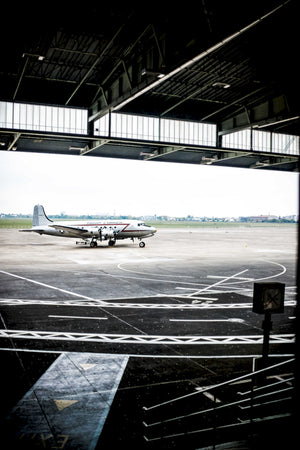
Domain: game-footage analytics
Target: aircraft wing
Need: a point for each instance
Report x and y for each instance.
(77, 232)
(28, 230)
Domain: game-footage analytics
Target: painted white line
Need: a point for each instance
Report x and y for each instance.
(233, 320)
(77, 317)
(217, 283)
(236, 278)
(276, 275)
(154, 274)
(263, 278)
(46, 285)
(106, 305)
(199, 298)
(153, 279)
(143, 338)
(184, 288)
(166, 356)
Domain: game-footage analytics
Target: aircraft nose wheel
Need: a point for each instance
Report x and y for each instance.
(142, 244)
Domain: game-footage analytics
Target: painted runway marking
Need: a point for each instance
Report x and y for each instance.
(144, 338)
(241, 280)
(217, 283)
(236, 278)
(222, 285)
(199, 298)
(71, 293)
(160, 356)
(209, 320)
(45, 285)
(154, 274)
(77, 317)
(153, 279)
(104, 305)
(223, 281)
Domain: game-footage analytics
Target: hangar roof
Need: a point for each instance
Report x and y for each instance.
(231, 63)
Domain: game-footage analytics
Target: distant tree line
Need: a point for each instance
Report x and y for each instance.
(155, 218)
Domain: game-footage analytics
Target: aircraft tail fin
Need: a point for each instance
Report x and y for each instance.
(39, 217)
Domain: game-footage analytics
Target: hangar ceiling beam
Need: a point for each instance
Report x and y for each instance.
(43, 142)
(122, 59)
(13, 142)
(95, 63)
(91, 147)
(20, 79)
(273, 162)
(258, 125)
(141, 89)
(238, 103)
(162, 152)
(185, 99)
(276, 121)
(228, 156)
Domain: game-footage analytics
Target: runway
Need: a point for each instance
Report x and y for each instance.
(175, 308)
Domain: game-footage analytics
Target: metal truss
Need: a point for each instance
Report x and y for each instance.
(144, 339)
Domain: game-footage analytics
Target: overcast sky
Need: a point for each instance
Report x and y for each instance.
(90, 185)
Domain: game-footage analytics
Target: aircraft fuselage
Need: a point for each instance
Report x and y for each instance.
(121, 229)
(90, 231)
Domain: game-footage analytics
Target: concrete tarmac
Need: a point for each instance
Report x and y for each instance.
(179, 310)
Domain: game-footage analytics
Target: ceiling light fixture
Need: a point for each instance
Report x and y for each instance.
(209, 160)
(146, 72)
(222, 85)
(147, 154)
(76, 148)
(33, 55)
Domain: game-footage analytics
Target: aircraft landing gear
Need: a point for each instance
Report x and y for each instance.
(93, 244)
(111, 243)
(142, 244)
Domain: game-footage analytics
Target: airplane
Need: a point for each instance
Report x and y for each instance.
(90, 231)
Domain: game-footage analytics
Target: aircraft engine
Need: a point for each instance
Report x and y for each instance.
(106, 233)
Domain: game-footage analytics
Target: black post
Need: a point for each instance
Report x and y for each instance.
(267, 327)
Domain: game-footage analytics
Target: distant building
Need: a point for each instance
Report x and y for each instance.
(257, 219)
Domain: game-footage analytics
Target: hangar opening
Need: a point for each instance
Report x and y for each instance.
(150, 137)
